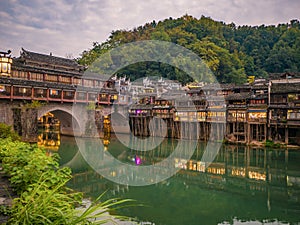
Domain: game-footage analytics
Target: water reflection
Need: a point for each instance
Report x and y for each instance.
(243, 185)
(49, 139)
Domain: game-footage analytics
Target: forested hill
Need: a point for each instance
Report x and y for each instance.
(232, 52)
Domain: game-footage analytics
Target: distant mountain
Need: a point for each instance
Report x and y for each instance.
(231, 52)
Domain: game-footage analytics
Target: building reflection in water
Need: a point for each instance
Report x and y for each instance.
(49, 121)
(49, 139)
(267, 176)
(49, 135)
(106, 140)
(250, 168)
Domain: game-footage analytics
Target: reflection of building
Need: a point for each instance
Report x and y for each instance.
(49, 140)
(48, 121)
(106, 140)
(242, 169)
(271, 174)
(106, 124)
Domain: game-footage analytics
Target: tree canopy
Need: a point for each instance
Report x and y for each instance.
(231, 52)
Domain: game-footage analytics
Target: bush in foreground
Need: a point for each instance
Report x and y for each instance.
(44, 197)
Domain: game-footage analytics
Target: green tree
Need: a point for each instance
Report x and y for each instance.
(231, 52)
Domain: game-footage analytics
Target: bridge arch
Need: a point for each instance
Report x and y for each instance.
(69, 123)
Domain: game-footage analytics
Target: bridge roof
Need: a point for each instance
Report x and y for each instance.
(43, 84)
(38, 57)
(48, 64)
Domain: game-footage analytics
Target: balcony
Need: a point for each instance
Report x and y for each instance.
(257, 120)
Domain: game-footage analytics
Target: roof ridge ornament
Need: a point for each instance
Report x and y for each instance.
(5, 53)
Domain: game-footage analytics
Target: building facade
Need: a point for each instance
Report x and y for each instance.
(265, 110)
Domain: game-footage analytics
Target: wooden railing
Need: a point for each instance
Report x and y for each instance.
(52, 94)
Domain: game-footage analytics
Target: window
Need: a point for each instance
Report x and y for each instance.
(256, 115)
(66, 80)
(53, 92)
(92, 97)
(69, 95)
(201, 116)
(36, 76)
(40, 93)
(77, 81)
(293, 114)
(88, 83)
(22, 91)
(5, 90)
(51, 78)
(20, 74)
(293, 97)
(81, 96)
(183, 116)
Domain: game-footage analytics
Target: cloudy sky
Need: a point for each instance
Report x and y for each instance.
(69, 27)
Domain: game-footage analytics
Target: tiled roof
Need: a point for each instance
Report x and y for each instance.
(49, 59)
(18, 65)
(227, 86)
(238, 96)
(96, 76)
(141, 106)
(260, 87)
(259, 96)
(285, 87)
(276, 76)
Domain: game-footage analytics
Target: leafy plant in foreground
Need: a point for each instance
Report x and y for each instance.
(43, 195)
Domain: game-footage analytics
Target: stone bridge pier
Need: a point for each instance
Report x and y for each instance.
(75, 119)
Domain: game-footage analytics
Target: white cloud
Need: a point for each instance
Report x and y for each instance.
(64, 27)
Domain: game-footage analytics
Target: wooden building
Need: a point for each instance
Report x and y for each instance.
(284, 108)
(257, 112)
(248, 114)
(35, 76)
(236, 130)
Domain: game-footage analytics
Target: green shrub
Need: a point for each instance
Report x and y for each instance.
(34, 104)
(52, 206)
(25, 163)
(7, 132)
(41, 186)
(271, 144)
(43, 205)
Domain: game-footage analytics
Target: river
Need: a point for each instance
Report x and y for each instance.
(242, 185)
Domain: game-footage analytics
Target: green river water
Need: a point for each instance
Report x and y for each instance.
(242, 185)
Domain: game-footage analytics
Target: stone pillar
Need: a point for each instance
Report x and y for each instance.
(29, 124)
(90, 126)
(265, 132)
(286, 140)
(17, 121)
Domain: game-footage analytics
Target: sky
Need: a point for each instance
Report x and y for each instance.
(68, 27)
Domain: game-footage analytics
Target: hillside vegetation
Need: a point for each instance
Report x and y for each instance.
(231, 52)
